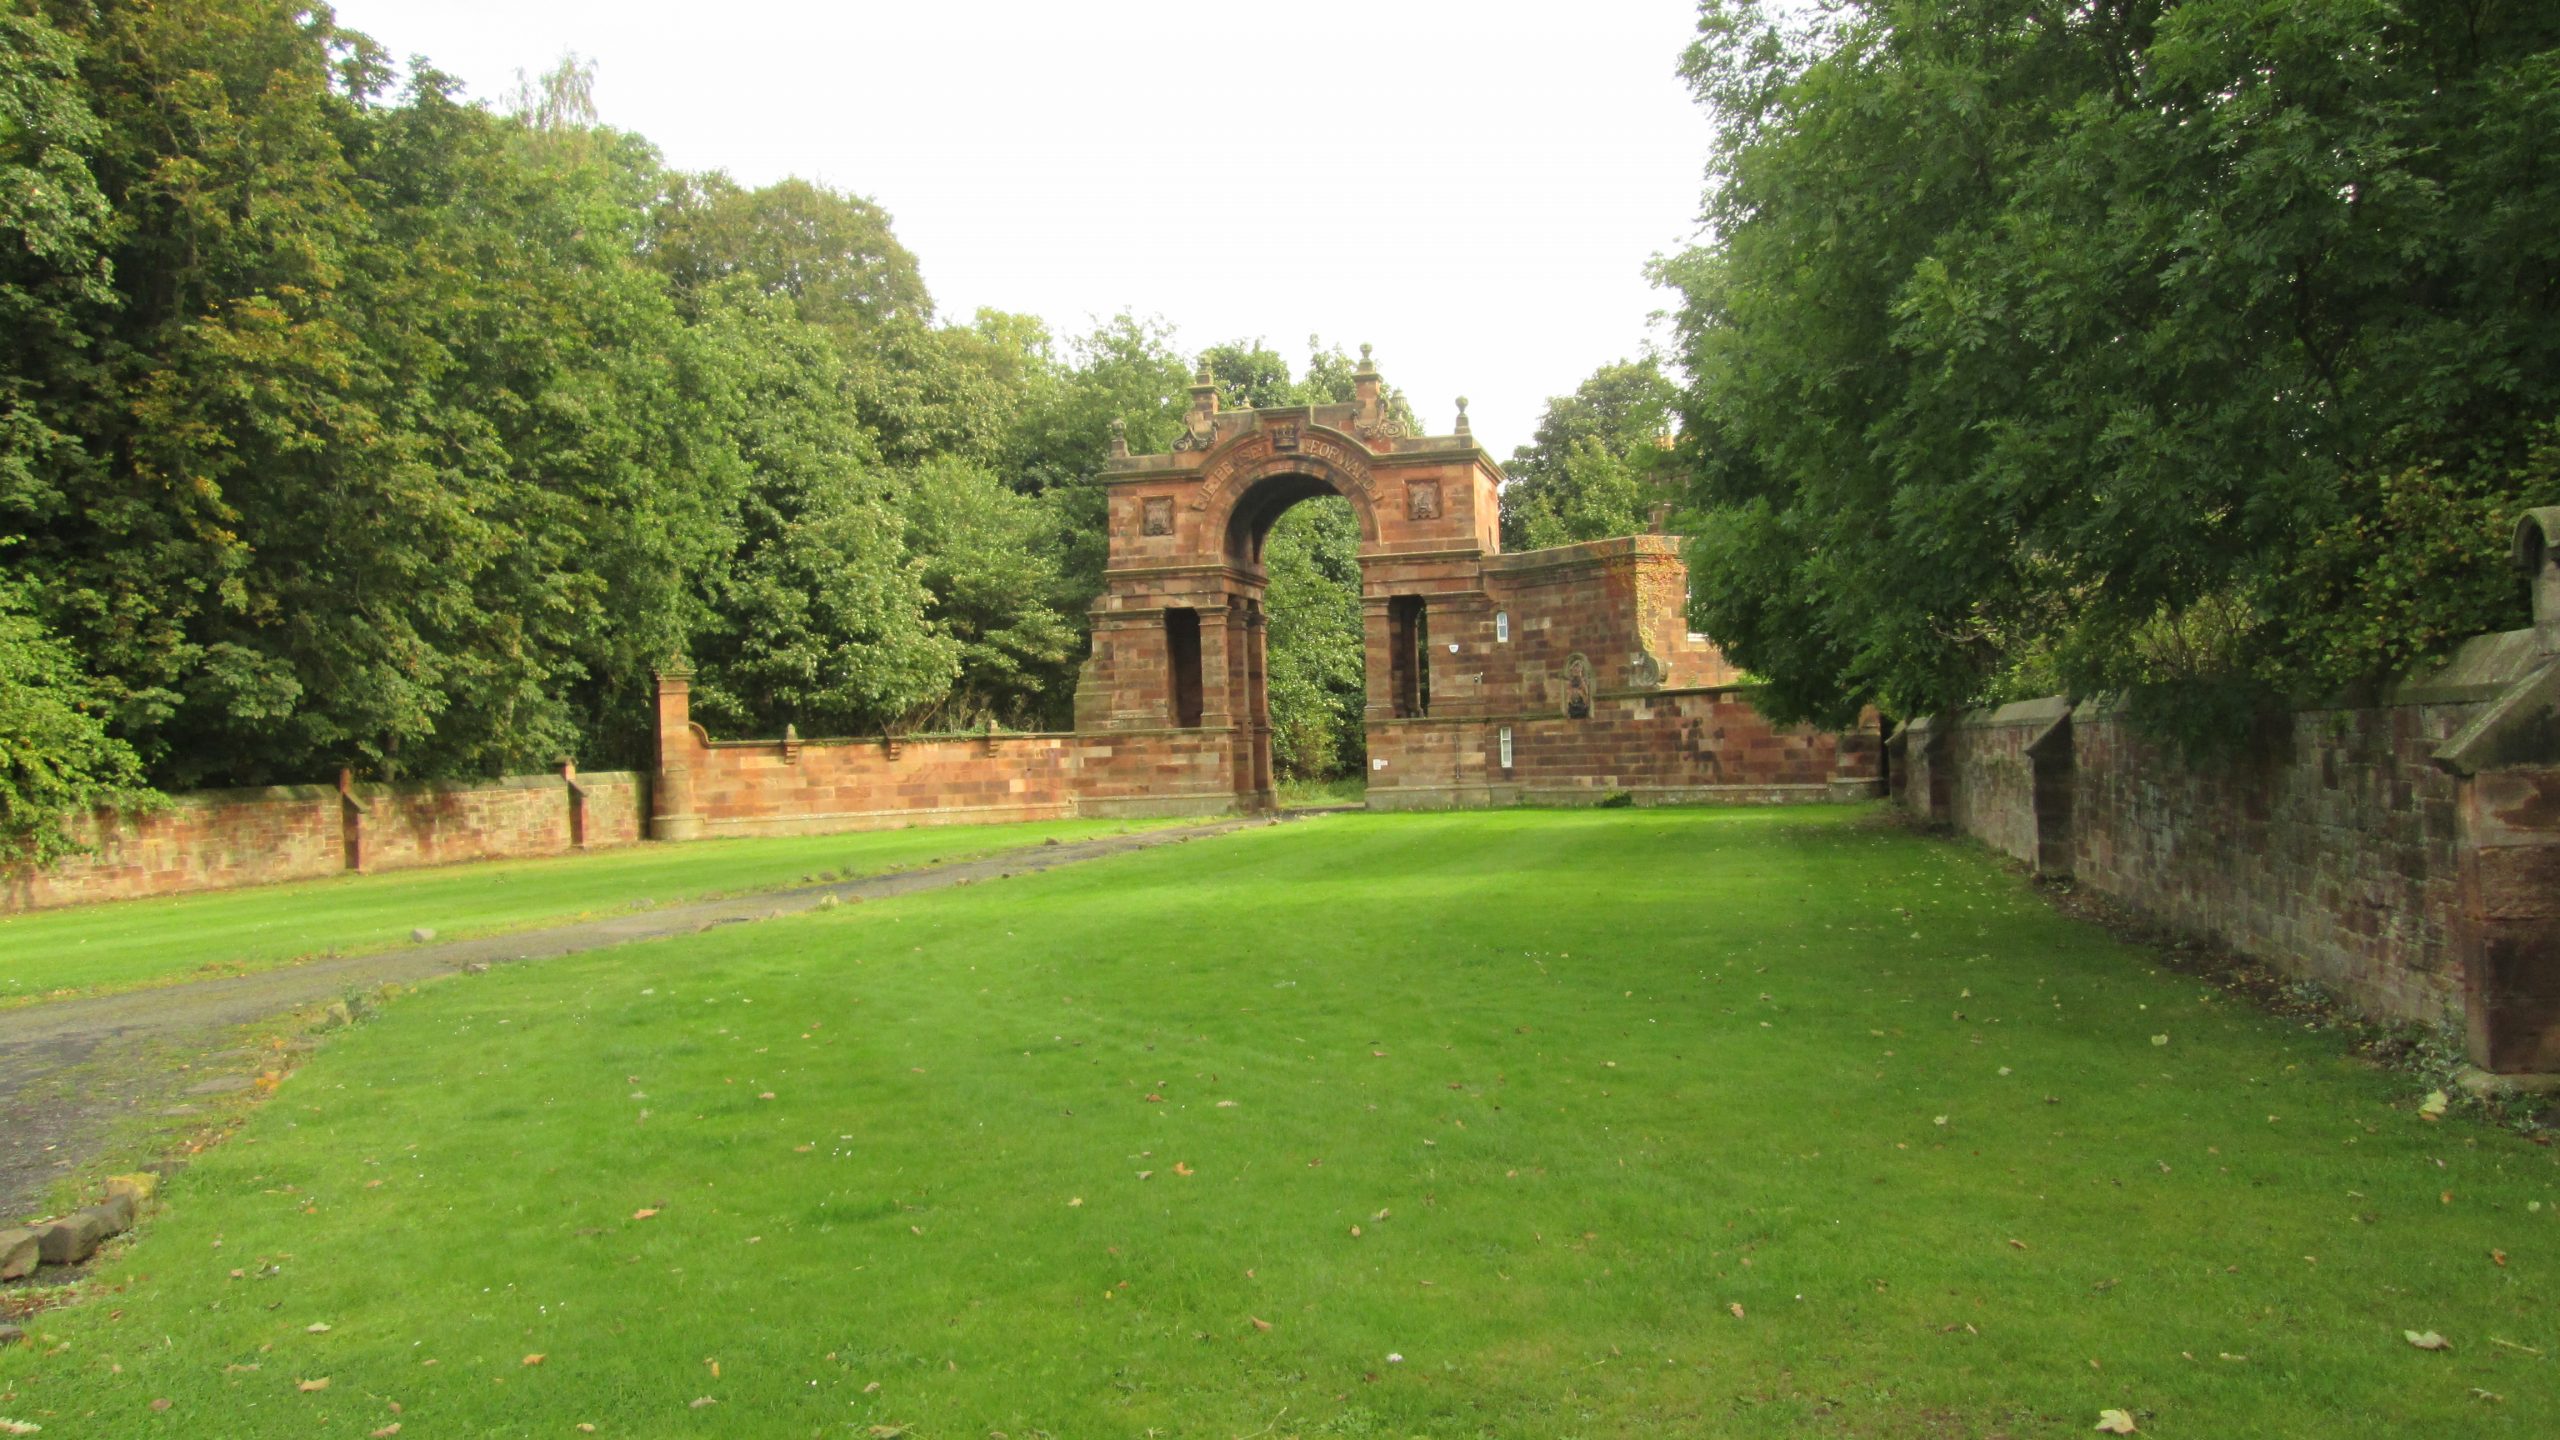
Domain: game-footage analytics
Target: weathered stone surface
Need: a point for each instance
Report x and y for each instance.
(220, 838)
(11, 1334)
(71, 1239)
(141, 1185)
(116, 1212)
(20, 1252)
(423, 934)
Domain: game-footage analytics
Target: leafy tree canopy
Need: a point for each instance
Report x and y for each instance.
(2193, 349)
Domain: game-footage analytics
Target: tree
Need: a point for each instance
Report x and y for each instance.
(831, 254)
(820, 617)
(1314, 649)
(57, 760)
(990, 560)
(2039, 346)
(1612, 433)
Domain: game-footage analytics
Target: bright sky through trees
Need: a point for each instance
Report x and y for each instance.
(1473, 188)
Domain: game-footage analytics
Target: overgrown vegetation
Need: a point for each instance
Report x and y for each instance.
(2198, 348)
(1734, 1123)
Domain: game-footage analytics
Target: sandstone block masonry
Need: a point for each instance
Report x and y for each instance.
(2404, 852)
(219, 838)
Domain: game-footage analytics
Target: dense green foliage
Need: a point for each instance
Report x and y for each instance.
(350, 426)
(1731, 1123)
(2202, 350)
(1598, 463)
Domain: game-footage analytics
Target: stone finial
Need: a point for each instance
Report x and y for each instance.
(2537, 556)
(1463, 428)
(1119, 439)
(1200, 423)
(1368, 366)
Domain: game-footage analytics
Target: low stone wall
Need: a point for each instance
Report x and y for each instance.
(2404, 853)
(752, 787)
(1703, 745)
(2328, 848)
(216, 839)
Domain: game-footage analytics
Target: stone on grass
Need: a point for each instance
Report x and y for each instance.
(423, 934)
(11, 1334)
(69, 1240)
(19, 1254)
(141, 1185)
(117, 1212)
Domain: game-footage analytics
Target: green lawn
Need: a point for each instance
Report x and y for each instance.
(128, 944)
(1622, 1123)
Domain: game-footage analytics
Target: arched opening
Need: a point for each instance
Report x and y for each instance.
(1316, 674)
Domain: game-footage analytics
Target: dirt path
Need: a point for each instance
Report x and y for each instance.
(71, 1070)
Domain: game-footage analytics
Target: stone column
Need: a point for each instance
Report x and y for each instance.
(671, 812)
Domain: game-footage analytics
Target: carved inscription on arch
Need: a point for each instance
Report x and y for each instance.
(1255, 460)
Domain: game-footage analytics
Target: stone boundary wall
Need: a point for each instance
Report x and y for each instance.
(750, 787)
(2403, 851)
(1703, 745)
(2327, 849)
(217, 839)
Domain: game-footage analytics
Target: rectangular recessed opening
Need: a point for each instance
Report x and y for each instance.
(1182, 664)
(1409, 655)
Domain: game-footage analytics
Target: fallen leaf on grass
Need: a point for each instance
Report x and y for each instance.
(703, 1402)
(535, 1359)
(1260, 1323)
(163, 1403)
(2433, 1107)
(318, 1328)
(307, 1386)
(2115, 1422)
(385, 1433)
(643, 1213)
(2017, 1244)
(1072, 1204)
(2156, 1040)
(1736, 1308)
(18, 1427)
(1355, 1232)
(2427, 1340)
(2498, 1258)
(1181, 1169)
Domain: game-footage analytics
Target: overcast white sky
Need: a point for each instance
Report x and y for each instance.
(1472, 188)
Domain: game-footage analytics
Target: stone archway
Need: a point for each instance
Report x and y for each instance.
(1179, 655)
